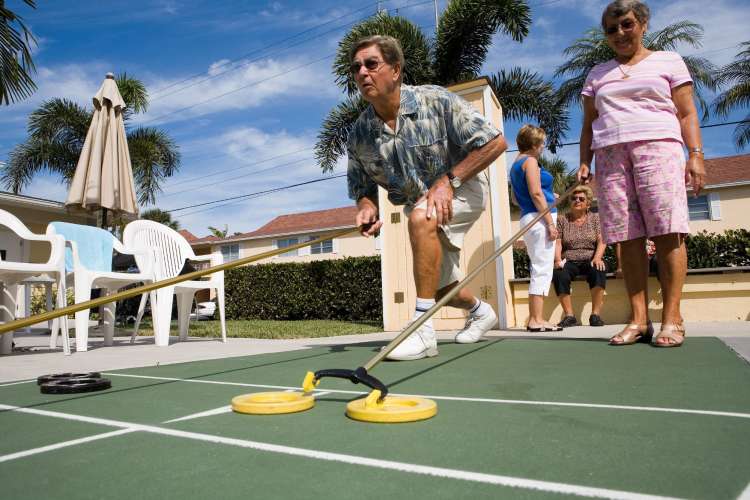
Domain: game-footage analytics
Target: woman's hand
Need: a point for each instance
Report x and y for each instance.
(599, 265)
(552, 232)
(583, 175)
(558, 264)
(695, 173)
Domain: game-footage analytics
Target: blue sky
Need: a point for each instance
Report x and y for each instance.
(264, 72)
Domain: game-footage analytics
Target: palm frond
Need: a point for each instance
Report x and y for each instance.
(154, 157)
(742, 134)
(670, 37)
(464, 35)
(736, 75)
(16, 63)
(60, 120)
(32, 157)
(416, 48)
(525, 94)
(134, 93)
(334, 132)
(160, 216)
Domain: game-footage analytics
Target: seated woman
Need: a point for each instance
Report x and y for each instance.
(579, 251)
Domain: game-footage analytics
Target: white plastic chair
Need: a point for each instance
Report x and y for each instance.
(171, 252)
(86, 276)
(15, 272)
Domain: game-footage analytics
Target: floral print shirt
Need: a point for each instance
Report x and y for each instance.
(435, 130)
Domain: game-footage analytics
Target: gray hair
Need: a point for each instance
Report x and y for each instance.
(389, 47)
(621, 7)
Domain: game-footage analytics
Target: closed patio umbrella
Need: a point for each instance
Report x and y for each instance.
(104, 176)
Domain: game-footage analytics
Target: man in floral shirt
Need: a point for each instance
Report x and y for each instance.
(428, 148)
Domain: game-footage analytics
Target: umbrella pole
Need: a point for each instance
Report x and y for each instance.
(104, 218)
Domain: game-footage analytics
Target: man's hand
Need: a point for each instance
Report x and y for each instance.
(583, 175)
(598, 264)
(367, 218)
(695, 173)
(440, 200)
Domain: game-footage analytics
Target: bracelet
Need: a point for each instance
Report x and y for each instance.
(695, 150)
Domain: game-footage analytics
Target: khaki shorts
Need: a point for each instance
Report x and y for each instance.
(469, 201)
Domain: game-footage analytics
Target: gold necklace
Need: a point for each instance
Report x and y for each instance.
(625, 75)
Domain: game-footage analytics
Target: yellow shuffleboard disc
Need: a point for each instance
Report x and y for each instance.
(271, 403)
(392, 409)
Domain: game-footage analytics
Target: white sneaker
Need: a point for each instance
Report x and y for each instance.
(476, 327)
(420, 344)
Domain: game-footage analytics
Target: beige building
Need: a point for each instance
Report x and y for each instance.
(290, 229)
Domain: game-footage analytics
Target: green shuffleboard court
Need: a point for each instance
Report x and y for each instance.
(517, 418)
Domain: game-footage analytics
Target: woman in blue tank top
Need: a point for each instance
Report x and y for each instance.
(532, 188)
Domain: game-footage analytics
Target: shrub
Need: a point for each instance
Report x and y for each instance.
(343, 289)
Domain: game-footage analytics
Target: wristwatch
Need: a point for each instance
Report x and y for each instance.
(454, 180)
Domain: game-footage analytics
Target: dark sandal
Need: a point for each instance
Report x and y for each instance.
(670, 331)
(633, 333)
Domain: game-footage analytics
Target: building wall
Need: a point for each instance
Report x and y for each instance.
(705, 297)
(351, 245)
(733, 207)
(399, 294)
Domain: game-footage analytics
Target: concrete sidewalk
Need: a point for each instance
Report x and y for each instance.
(32, 356)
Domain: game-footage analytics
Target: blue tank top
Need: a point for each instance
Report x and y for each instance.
(521, 188)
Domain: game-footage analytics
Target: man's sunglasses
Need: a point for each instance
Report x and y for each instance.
(625, 24)
(579, 198)
(370, 65)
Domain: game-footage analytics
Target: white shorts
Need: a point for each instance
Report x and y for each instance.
(469, 201)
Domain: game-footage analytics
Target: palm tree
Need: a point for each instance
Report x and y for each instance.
(592, 49)
(57, 131)
(219, 233)
(736, 74)
(16, 63)
(462, 39)
(162, 217)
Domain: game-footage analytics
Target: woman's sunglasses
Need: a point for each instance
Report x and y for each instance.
(370, 64)
(578, 198)
(625, 25)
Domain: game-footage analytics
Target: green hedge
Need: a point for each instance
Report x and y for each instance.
(704, 249)
(341, 289)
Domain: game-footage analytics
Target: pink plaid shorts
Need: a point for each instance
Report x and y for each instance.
(641, 190)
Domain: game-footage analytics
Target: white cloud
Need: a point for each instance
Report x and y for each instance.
(725, 23)
(233, 164)
(253, 85)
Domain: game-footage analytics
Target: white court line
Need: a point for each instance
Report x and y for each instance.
(470, 400)
(221, 409)
(57, 446)
(509, 481)
(17, 383)
(207, 413)
(745, 495)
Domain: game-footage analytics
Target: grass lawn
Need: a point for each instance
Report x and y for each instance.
(267, 329)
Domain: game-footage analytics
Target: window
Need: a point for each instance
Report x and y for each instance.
(321, 246)
(698, 207)
(230, 252)
(286, 243)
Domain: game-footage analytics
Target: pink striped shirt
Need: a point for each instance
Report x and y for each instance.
(635, 102)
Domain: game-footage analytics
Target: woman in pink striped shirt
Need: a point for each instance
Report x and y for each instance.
(638, 115)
